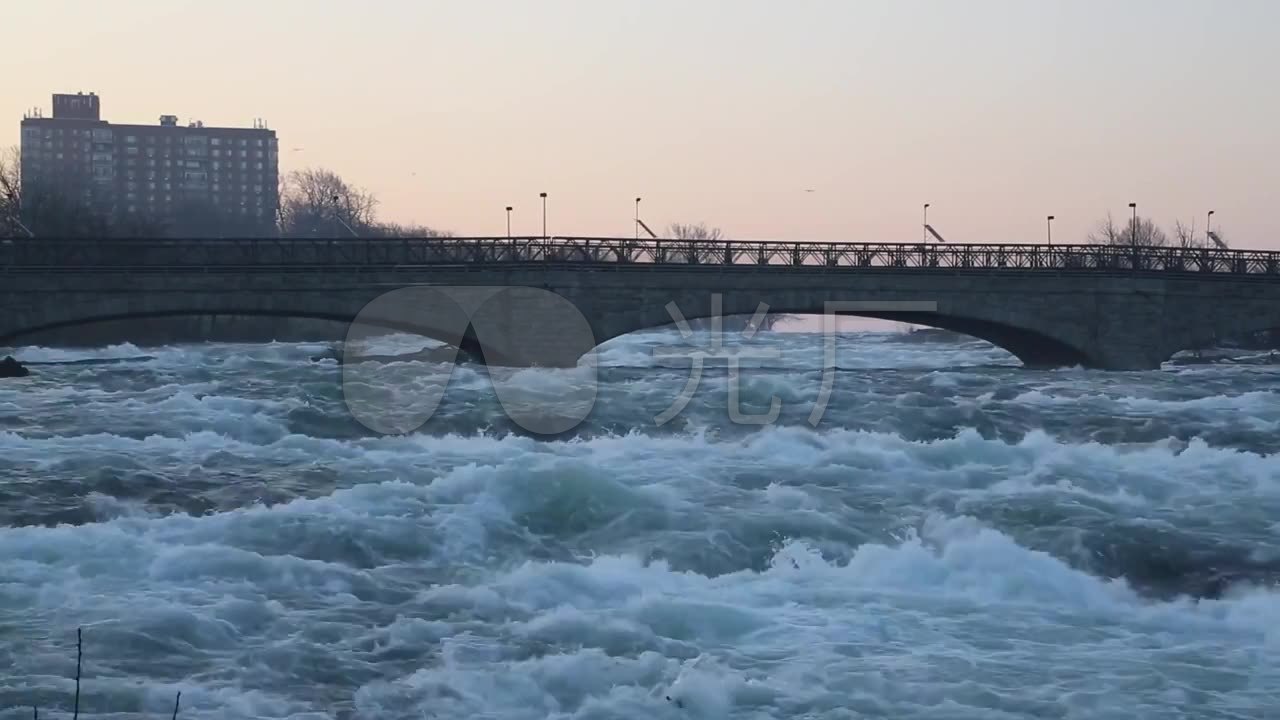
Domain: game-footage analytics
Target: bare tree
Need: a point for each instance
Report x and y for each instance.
(10, 193)
(691, 234)
(396, 230)
(1106, 233)
(67, 209)
(1184, 236)
(699, 231)
(1145, 234)
(317, 201)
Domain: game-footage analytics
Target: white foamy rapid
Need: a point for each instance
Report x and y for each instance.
(956, 538)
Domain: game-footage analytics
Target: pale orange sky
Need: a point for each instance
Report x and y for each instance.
(998, 112)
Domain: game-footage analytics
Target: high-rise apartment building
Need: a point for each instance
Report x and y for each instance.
(167, 173)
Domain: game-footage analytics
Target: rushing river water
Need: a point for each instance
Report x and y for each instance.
(957, 538)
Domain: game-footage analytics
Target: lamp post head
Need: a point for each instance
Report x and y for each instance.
(542, 195)
(1050, 217)
(508, 208)
(1211, 212)
(637, 199)
(1133, 205)
(926, 205)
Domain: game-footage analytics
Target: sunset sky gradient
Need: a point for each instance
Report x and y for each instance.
(997, 112)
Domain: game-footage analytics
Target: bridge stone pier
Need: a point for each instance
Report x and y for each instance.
(1103, 308)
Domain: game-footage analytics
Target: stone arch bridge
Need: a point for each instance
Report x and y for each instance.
(549, 301)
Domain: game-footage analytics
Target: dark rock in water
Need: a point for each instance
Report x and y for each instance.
(10, 368)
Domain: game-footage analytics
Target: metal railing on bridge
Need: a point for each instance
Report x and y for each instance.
(270, 254)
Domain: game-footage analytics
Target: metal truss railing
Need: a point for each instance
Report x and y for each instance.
(51, 255)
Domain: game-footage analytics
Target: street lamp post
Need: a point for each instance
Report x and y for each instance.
(338, 216)
(1208, 225)
(924, 229)
(544, 214)
(1049, 230)
(1133, 233)
(508, 222)
(637, 218)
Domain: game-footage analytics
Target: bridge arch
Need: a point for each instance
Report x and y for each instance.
(58, 316)
(1032, 346)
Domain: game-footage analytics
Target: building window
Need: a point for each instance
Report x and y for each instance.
(131, 139)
